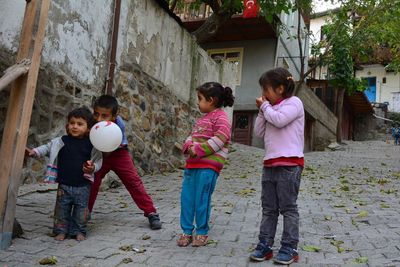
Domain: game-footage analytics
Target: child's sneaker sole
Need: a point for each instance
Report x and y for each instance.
(294, 259)
(267, 257)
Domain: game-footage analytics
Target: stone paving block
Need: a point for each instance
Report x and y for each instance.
(156, 261)
(117, 260)
(240, 261)
(391, 252)
(101, 253)
(381, 261)
(20, 257)
(198, 264)
(235, 220)
(20, 264)
(4, 254)
(194, 257)
(363, 244)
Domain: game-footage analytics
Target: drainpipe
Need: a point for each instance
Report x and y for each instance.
(114, 42)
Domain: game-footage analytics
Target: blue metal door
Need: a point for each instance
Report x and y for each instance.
(370, 92)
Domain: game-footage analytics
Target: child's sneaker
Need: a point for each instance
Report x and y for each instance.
(286, 255)
(154, 220)
(262, 252)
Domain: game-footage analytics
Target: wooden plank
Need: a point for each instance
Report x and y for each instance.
(13, 72)
(26, 85)
(14, 111)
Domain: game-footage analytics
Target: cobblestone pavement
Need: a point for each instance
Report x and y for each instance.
(349, 209)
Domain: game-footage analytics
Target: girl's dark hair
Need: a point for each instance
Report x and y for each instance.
(224, 95)
(83, 113)
(277, 77)
(108, 102)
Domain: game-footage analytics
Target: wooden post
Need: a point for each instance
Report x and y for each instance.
(19, 114)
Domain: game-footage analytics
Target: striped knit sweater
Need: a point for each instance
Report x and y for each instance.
(210, 137)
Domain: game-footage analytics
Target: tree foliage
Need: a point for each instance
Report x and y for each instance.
(360, 32)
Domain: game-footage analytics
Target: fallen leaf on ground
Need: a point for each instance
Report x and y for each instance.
(362, 214)
(48, 261)
(145, 237)
(361, 260)
(311, 248)
(384, 206)
(247, 192)
(126, 248)
(126, 260)
(212, 241)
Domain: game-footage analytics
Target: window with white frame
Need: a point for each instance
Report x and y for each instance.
(233, 55)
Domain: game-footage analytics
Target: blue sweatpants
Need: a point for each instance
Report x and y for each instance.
(197, 188)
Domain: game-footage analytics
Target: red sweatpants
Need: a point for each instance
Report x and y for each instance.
(121, 163)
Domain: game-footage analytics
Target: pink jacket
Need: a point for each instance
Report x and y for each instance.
(282, 127)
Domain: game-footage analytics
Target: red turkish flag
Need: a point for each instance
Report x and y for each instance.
(250, 9)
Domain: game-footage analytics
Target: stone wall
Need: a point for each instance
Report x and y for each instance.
(159, 67)
(156, 119)
(367, 127)
(56, 95)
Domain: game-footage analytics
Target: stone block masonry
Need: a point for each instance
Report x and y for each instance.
(56, 95)
(156, 120)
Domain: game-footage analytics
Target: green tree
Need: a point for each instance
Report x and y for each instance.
(358, 33)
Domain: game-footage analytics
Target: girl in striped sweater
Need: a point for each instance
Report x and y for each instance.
(207, 150)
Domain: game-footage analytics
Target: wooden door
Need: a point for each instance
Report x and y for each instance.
(242, 127)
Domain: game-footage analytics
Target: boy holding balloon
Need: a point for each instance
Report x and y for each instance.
(119, 160)
(72, 162)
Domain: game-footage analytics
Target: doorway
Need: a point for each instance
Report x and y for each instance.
(242, 127)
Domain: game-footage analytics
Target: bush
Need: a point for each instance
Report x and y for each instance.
(395, 116)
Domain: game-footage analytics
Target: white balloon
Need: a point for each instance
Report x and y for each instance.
(105, 136)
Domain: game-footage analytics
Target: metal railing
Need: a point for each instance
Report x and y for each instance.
(188, 13)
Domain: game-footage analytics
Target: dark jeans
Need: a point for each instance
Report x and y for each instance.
(280, 188)
(71, 211)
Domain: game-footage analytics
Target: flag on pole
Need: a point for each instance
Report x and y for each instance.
(250, 9)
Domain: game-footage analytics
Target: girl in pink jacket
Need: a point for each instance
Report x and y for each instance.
(280, 122)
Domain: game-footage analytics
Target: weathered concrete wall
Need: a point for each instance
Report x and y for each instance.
(317, 109)
(150, 38)
(324, 129)
(77, 36)
(159, 65)
(322, 136)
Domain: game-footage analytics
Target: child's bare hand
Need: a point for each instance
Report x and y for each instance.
(192, 152)
(88, 167)
(29, 152)
(260, 100)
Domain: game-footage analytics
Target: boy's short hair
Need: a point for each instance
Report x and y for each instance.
(107, 101)
(83, 113)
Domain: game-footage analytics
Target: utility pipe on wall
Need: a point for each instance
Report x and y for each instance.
(114, 42)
